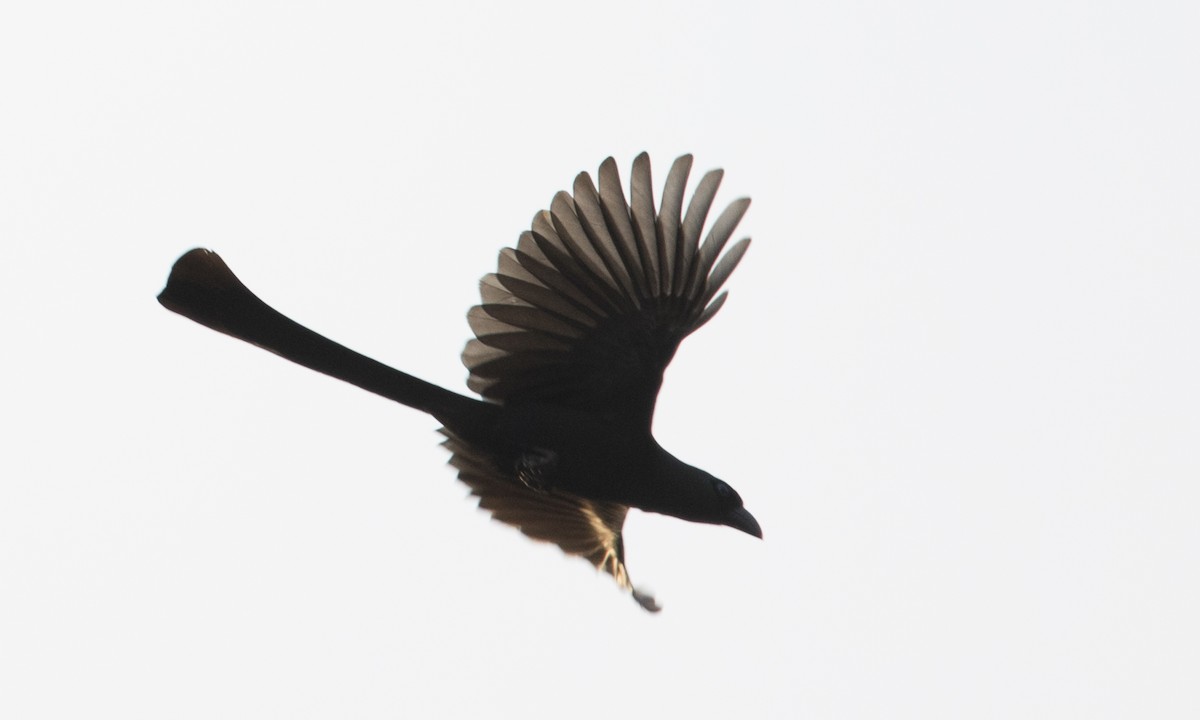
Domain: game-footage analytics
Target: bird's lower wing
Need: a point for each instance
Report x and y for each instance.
(587, 528)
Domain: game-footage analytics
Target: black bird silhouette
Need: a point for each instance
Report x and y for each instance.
(576, 328)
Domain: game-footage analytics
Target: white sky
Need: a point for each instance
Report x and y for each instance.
(955, 381)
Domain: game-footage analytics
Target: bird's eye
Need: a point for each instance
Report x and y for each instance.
(723, 489)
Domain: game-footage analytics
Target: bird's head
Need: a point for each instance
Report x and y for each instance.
(687, 492)
(728, 509)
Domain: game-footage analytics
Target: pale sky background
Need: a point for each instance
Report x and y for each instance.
(956, 379)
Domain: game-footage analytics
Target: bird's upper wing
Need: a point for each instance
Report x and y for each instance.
(589, 308)
(587, 528)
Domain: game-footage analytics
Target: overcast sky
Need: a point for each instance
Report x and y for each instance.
(956, 378)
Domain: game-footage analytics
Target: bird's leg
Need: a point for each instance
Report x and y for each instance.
(535, 468)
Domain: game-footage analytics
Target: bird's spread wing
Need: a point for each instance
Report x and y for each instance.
(589, 308)
(587, 528)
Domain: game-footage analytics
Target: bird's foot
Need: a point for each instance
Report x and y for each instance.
(535, 468)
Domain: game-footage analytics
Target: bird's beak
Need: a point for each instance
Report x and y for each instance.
(744, 521)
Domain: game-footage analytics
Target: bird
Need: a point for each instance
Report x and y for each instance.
(572, 336)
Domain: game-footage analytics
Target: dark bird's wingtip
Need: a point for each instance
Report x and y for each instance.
(647, 601)
(744, 521)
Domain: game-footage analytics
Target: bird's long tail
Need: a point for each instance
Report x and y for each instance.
(201, 287)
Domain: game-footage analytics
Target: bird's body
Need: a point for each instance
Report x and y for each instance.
(575, 331)
(596, 457)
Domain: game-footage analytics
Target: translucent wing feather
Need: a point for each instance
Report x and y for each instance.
(590, 307)
(587, 528)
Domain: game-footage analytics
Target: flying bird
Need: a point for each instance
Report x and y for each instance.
(574, 331)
